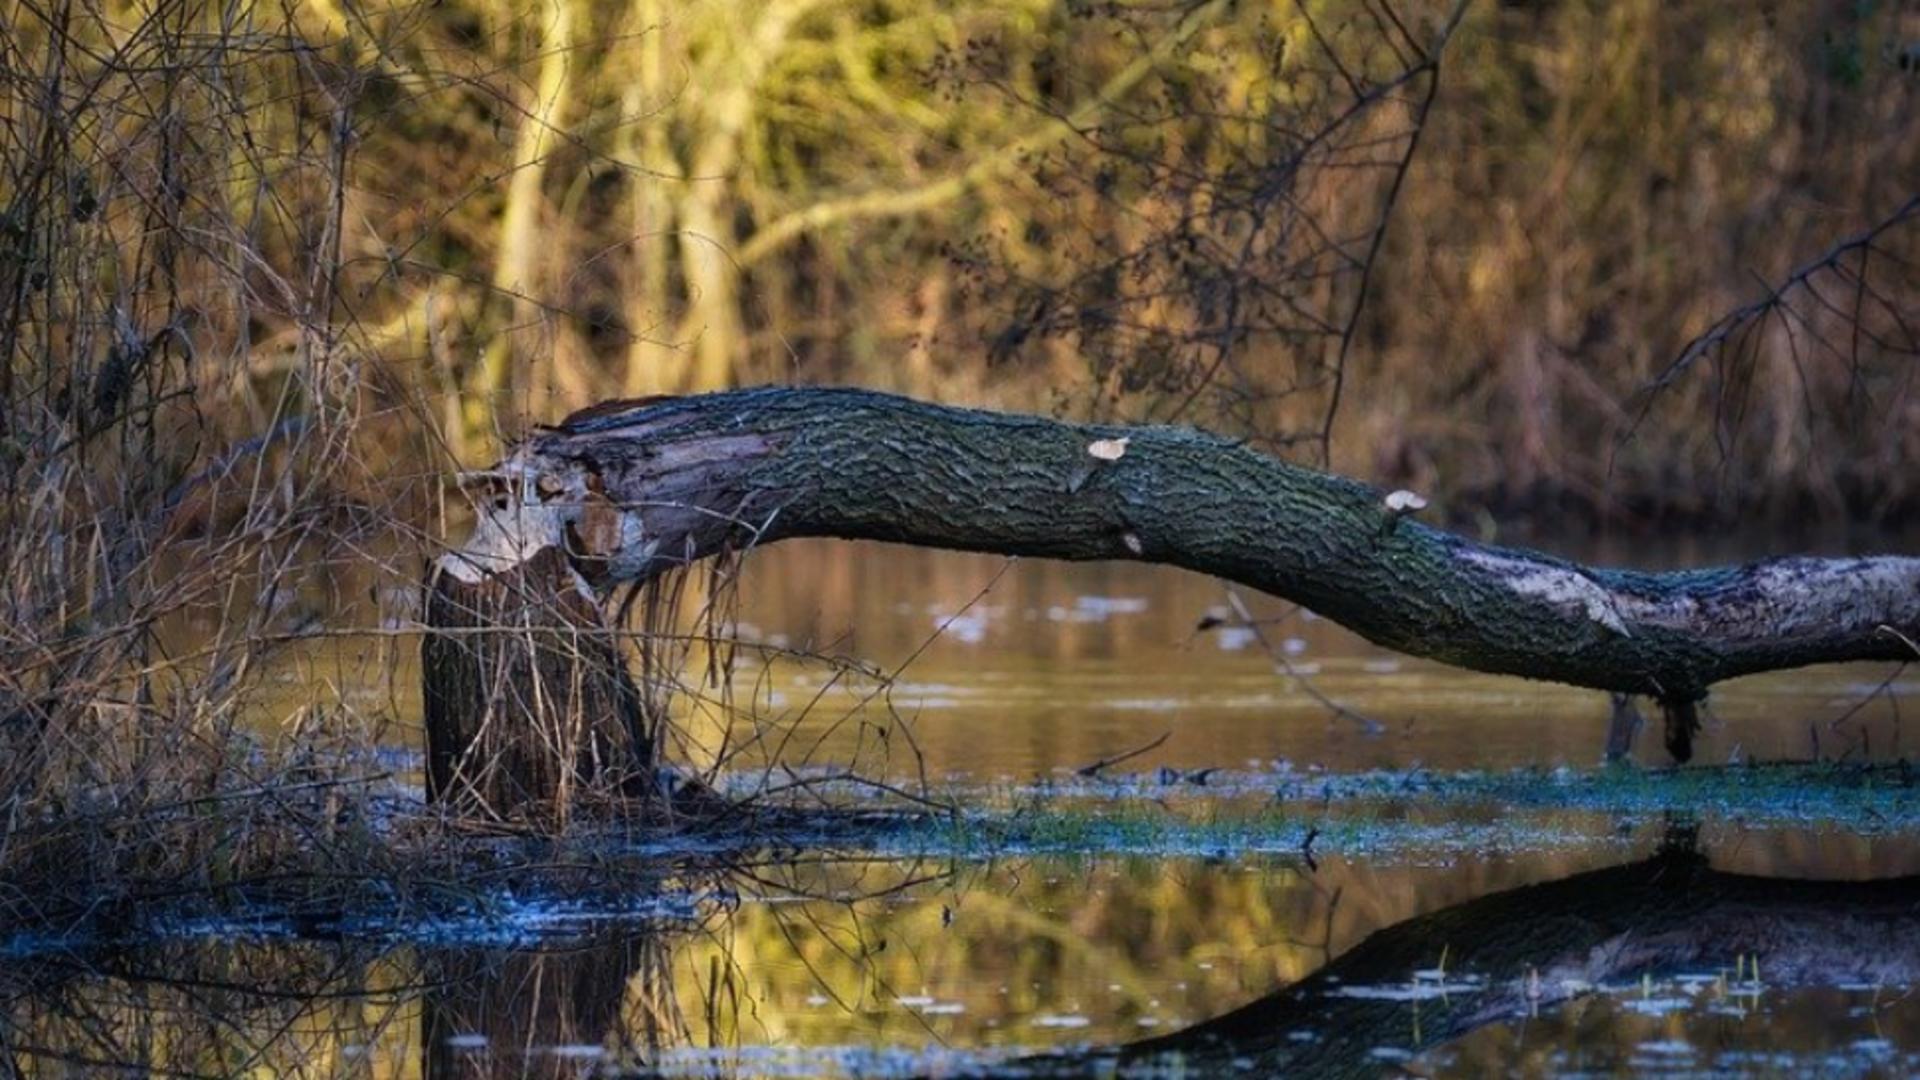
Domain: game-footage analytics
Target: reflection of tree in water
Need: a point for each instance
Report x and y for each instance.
(616, 999)
(1512, 954)
(203, 1009)
(550, 1012)
(224, 1008)
(1061, 933)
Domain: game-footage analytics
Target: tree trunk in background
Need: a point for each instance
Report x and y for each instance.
(723, 101)
(653, 367)
(527, 699)
(633, 490)
(515, 277)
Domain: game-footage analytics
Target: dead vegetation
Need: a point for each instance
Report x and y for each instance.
(237, 358)
(203, 525)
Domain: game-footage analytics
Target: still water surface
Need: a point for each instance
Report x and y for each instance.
(1003, 678)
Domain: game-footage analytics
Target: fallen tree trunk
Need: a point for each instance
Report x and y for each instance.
(631, 489)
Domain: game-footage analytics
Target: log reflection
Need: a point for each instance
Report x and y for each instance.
(610, 1001)
(1513, 954)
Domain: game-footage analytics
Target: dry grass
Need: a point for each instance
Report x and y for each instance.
(185, 409)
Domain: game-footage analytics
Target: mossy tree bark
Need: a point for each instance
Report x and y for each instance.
(630, 490)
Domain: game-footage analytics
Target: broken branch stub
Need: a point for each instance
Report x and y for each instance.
(629, 492)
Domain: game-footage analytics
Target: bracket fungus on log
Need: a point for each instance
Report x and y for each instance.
(629, 491)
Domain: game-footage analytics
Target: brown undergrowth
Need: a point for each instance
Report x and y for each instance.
(208, 468)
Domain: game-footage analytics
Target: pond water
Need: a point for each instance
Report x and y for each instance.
(1332, 861)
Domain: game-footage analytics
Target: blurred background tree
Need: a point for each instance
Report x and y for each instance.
(1448, 256)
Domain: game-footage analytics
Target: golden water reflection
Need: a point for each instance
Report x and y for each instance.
(906, 962)
(1011, 670)
(1025, 670)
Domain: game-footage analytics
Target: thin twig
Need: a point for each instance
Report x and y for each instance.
(1105, 762)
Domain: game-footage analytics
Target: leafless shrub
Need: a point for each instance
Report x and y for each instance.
(181, 398)
(1211, 245)
(1816, 375)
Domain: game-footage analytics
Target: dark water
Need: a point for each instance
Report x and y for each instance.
(984, 966)
(1280, 886)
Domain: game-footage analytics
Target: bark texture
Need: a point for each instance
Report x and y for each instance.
(527, 700)
(631, 489)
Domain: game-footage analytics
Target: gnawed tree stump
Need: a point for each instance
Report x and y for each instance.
(528, 701)
(631, 490)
